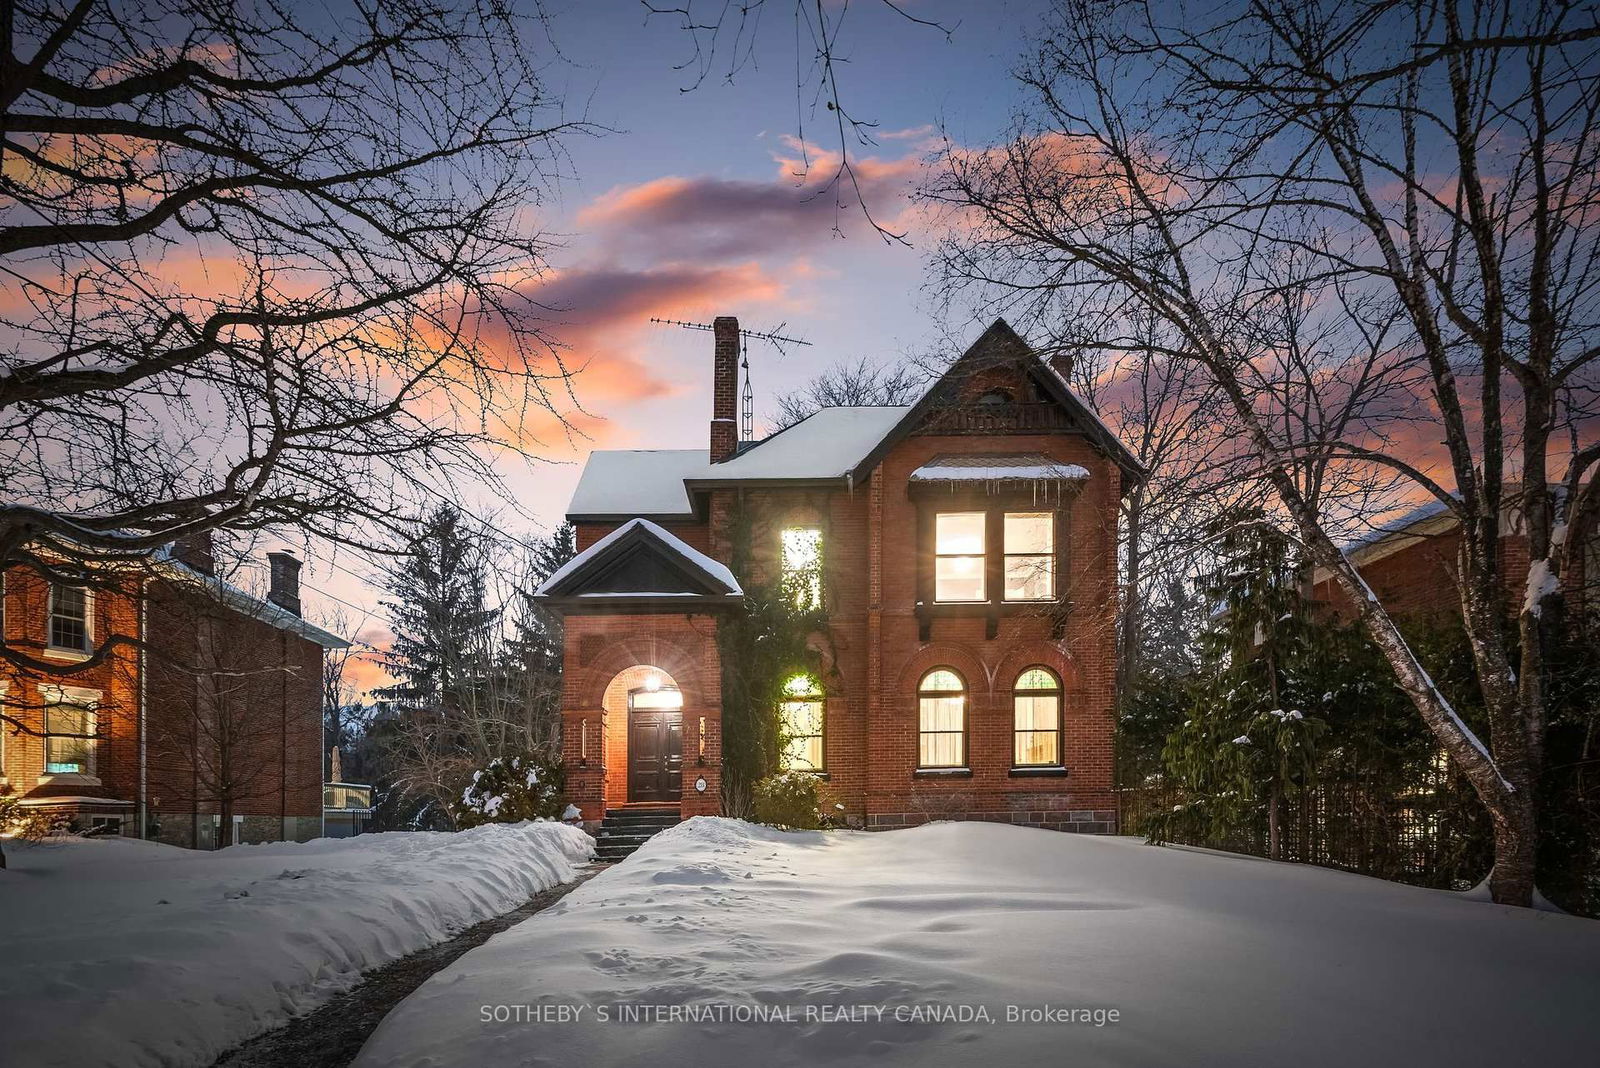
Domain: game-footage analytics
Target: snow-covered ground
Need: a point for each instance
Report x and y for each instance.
(1207, 959)
(127, 953)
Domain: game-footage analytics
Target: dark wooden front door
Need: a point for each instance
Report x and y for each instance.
(655, 756)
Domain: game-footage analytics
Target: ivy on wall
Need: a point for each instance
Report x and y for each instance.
(762, 646)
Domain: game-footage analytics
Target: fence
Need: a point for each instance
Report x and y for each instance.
(1430, 836)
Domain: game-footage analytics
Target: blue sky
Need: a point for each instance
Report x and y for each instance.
(691, 208)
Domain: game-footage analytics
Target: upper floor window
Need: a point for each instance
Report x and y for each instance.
(941, 720)
(802, 721)
(1026, 572)
(69, 739)
(958, 547)
(1030, 556)
(802, 566)
(1036, 729)
(69, 617)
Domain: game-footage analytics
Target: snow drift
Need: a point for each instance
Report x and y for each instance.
(121, 952)
(721, 936)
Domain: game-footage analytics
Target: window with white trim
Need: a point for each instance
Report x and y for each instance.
(70, 617)
(69, 738)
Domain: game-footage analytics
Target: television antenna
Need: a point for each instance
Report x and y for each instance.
(774, 337)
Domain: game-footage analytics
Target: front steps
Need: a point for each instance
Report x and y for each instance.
(626, 829)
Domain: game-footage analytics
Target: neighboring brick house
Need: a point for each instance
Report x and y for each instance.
(964, 549)
(1411, 564)
(213, 711)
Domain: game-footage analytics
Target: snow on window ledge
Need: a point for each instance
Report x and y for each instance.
(69, 778)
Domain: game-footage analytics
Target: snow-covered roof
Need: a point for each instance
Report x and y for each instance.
(827, 444)
(618, 483)
(694, 558)
(1026, 467)
(634, 482)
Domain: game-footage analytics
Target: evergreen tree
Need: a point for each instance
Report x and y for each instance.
(531, 660)
(438, 612)
(1250, 739)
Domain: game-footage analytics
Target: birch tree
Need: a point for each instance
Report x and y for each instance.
(1397, 196)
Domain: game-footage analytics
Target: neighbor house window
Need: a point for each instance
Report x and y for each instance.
(958, 550)
(802, 725)
(941, 720)
(802, 566)
(69, 617)
(69, 740)
(1030, 573)
(1036, 704)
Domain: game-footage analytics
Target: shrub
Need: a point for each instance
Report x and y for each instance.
(509, 790)
(794, 800)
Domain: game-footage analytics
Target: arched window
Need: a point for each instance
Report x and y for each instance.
(995, 398)
(941, 720)
(802, 721)
(1036, 704)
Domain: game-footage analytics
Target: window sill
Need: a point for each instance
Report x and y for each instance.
(69, 778)
(1038, 773)
(942, 773)
(76, 656)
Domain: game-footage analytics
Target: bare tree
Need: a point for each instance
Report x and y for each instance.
(1377, 214)
(848, 385)
(263, 267)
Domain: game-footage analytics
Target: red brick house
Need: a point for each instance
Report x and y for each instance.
(1411, 564)
(964, 550)
(213, 714)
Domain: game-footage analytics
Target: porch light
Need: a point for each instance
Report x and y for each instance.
(652, 683)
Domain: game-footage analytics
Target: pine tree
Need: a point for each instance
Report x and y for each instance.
(438, 612)
(533, 649)
(1250, 739)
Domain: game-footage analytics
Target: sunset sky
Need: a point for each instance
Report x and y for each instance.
(696, 205)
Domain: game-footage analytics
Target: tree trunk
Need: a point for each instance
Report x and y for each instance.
(1511, 880)
(1132, 603)
(1275, 823)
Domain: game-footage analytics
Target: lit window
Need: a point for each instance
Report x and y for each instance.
(941, 720)
(958, 556)
(1037, 734)
(1030, 556)
(802, 725)
(69, 617)
(69, 740)
(802, 566)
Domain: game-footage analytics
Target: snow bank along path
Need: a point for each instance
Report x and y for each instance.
(1210, 959)
(128, 953)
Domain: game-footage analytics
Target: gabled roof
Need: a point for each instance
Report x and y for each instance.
(1000, 345)
(640, 564)
(830, 446)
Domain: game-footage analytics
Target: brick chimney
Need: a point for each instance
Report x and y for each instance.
(725, 388)
(284, 590)
(196, 552)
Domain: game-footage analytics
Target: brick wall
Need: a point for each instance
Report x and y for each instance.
(270, 701)
(874, 654)
(599, 649)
